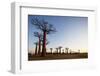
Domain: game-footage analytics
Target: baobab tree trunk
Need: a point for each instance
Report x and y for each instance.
(39, 46)
(57, 51)
(51, 51)
(60, 51)
(36, 50)
(44, 44)
(67, 49)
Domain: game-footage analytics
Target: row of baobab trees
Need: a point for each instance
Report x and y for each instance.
(44, 29)
(59, 50)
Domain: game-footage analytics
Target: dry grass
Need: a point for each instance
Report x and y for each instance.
(54, 56)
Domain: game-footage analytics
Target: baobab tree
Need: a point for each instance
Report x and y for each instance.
(51, 50)
(39, 36)
(57, 50)
(67, 50)
(63, 51)
(46, 28)
(60, 49)
(36, 44)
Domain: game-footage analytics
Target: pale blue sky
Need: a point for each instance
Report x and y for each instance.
(71, 32)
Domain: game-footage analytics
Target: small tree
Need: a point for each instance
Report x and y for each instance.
(60, 49)
(51, 50)
(67, 49)
(57, 50)
(63, 51)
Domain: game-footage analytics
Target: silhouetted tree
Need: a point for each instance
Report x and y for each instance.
(51, 50)
(46, 28)
(60, 49)
(67, 49)
(36, 44)
(39, 36)
(57, 50)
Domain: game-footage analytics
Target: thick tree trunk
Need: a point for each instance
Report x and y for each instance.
(51, 51)
(36, 50)
(44, 44)
(60, 51)
(57, 51)
(39, 46)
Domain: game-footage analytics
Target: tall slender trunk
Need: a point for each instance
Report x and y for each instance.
(67, 51)
(44, 44)
(60, 50)
(57, 51)
(36, 50)
(51, 51)
(39, 46)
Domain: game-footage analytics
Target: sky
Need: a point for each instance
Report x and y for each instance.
(71, 32)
